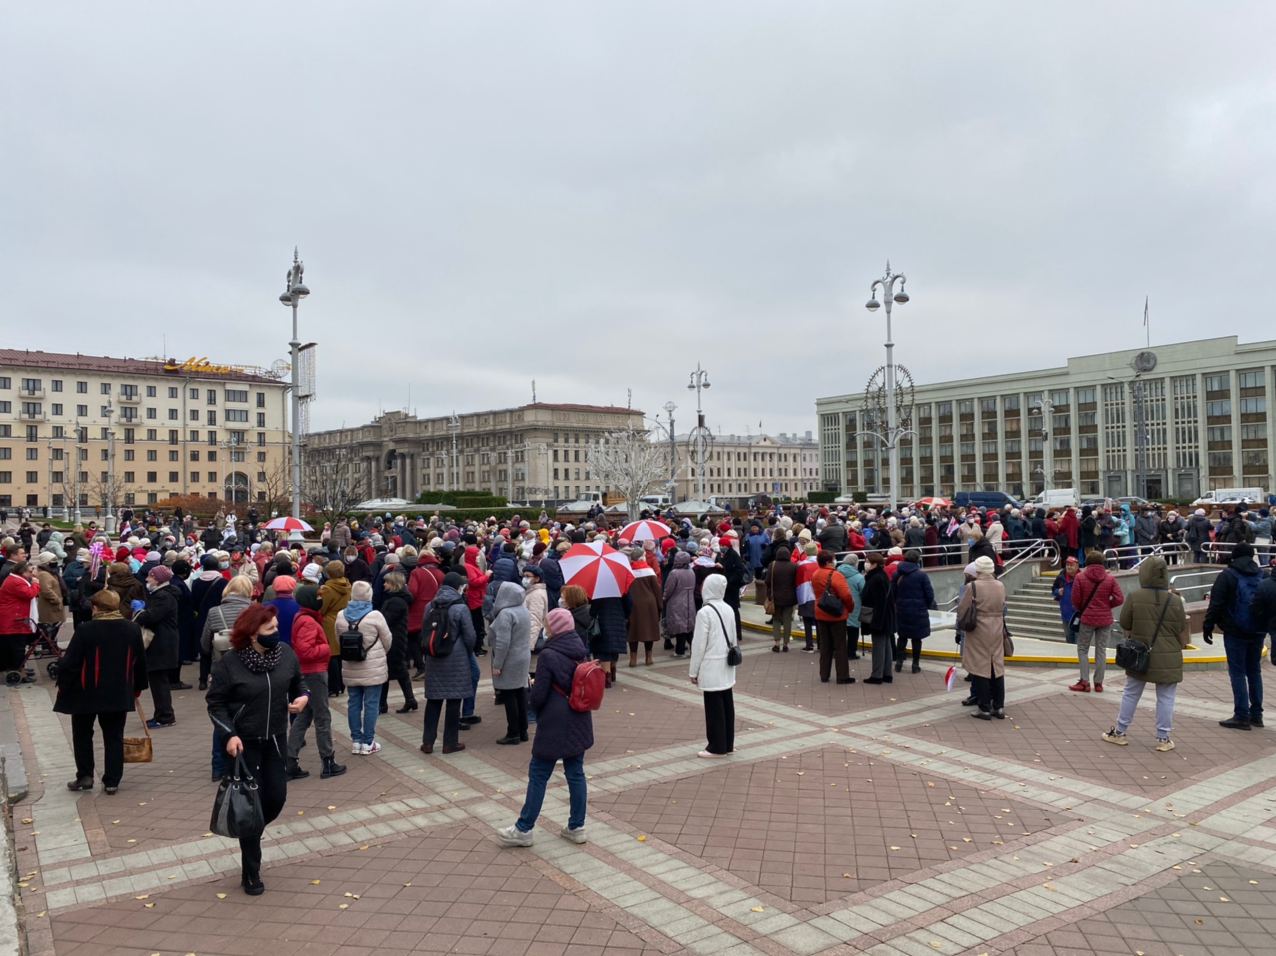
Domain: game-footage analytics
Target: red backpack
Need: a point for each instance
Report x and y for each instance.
(588, 682)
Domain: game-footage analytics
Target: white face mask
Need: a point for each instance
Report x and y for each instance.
(528, 582)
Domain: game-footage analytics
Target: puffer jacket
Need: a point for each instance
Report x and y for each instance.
(560, 731)
(855, 583)
(914, 597)
(309, 641)
(781, 578)
(222, 617)
(613, 636)
(448, 678)
(334, 595)
(16, 595)
(246, 704)
(1098, 592)
(509, 638)
(715, 632)
(1140, 616)
(680, 596)
(552, 575)
(374, 669)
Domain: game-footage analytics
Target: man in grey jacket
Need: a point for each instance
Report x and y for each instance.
(510, 633)
(1146, 530)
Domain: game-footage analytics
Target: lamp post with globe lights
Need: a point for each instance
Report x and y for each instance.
(701, 437)
(295, 290)
(889, 296)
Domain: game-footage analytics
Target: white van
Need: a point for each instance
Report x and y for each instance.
(1055, 498)
(1230, 496)
(656, 502)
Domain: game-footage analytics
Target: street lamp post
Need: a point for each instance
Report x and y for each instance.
(294, 291)
(110, 463)
(670, 408)
(699, 381)
(889, 295)
(454, 466)
(1046, 407)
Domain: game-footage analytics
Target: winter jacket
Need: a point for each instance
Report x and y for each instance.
(982, 647)
(254, 706)
(509, 639)
(50, 608)
(448, 678)
(823, 579)
(643, 604)
(334, 595)
(877, 595)
(560, 731)
(206, 593)
(781, 579)
(1098, 592)
(613, 632)
(160, 615)
(1222, 597)
(855, 582)
(358, 570)
(340, 537)
(833, 538)
(102, 669)
(754, 546)
(1140, 617)
(552, 575)
(536, 601)
(127, 587)
(680, 596)
(286, 609)
(1146, 528)
(395, 608)
(914, 597)
(309, 642)
(476, 580)
(374, 669)
(423, 585)
(714, 633)
(221, 618)
(734, 570)
(505, 569)
(1061, 591)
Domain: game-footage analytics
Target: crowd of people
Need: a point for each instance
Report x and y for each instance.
(279, 629)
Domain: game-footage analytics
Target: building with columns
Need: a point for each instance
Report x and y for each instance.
(531, 452)
(742, 466)
(1196, 412)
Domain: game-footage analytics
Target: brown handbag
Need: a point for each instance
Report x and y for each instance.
(139, 749)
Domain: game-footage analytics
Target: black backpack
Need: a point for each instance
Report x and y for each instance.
(439, 639)
(351, 642)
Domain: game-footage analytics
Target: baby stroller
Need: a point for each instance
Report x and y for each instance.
(43, 643)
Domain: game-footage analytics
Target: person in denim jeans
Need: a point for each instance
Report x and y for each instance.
(364, 679)
(1095, 593)
(561, 733)
(1237, 605)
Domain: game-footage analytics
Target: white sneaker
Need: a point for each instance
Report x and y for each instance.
(1162, 745)
(356, 749)
(576, 836)
(372, 748)
(513, 836)
(1114, 736)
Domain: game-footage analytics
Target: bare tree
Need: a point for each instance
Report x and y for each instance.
(332, 483)
(274, 490)
(628, 462)
(106, 490)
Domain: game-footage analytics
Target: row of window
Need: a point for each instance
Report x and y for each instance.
(128, 477)
(129, 414)
(31, 386)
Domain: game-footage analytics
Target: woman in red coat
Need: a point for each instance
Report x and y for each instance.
(17, 592)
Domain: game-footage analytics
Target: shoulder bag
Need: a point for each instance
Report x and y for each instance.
(139, 749)
(734, 657)
(237, 809)
(830, 603)
(1074, 622)
(970, 619)
(1135, 656)
(221, 636)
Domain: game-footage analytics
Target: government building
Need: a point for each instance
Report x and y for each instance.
(743, 466)
(1186, 417)
(536, 451)
(107, 432)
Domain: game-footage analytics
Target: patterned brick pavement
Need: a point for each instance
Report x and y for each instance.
(851, 819)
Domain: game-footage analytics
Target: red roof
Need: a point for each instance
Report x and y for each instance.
(29, 358)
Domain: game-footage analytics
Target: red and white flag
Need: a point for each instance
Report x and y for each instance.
(950, 678)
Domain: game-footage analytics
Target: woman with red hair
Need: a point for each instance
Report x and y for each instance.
(251, 692)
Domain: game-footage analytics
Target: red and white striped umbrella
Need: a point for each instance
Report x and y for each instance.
(645, 530)
(287, 524)
(599, 568)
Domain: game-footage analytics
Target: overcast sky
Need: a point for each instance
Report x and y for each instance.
(597, 195)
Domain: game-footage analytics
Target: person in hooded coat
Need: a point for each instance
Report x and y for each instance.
(561, 734)
(878, 606)
(914, 600)
(1154, 616)
(334, 595)
(781, 587)
(1231, 607)
(447, 679)
(510, 655)
(160, 617)
(310, 645)
(206, 593)
(612, 633)
(737, 574)
(709, 670)
(680, 602)
(643, 604)
(396, 607)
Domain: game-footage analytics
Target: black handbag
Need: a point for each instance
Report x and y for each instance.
(237, 809)
(1135, 656)
(734, 657)
(830, 603)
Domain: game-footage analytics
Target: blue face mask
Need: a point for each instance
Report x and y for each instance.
(268, 641)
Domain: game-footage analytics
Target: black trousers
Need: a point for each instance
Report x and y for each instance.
(161, 696)
(902, 645)
(112, 724)
(335, 684)
(451, 722)
(416, 651)
(832, 636)
(852, 642)
(13, 647)
(719, 721)
(990, 692)
(480, 628)
(405, 685)
(681, 643)
(205, 666)
(515, 702)
(266, 759)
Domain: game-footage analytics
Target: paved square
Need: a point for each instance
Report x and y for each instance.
(852, 818)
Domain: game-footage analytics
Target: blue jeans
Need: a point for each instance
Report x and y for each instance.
(1243, 657)
(363, 704)
(467, 705)
(538, 773)
(220, 758)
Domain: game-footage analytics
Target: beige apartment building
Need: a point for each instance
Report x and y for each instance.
(105, 431)
(531, 452)
(741, 466)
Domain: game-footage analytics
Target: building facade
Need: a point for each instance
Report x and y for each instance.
(1171, 421)
(532, 452)
(107, 432)
(742, 466)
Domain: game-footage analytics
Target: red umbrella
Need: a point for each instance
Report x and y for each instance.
(933, 503)
(598, 568)
(645, 530)
(287, 524)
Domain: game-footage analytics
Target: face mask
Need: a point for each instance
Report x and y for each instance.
(223, 565)
(268, 641)
(528, 582)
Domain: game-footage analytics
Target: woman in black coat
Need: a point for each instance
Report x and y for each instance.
(612, 638)
(876, 598)
(734, 570)
(251, 692)
(101, 673)
(914, 599)
(160, 617)
(395, 602)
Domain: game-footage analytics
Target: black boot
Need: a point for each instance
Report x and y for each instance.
(294, 771)
(331, 768)
(251, 882)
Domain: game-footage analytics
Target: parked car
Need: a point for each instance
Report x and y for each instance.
(985, 499)
(1055, 498)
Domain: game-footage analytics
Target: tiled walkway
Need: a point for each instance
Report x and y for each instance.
(855, 818)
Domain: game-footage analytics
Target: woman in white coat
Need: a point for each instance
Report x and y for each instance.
(363, 679)
(709, 668)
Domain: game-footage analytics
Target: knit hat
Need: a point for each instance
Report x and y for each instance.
(161, 574)
(971, 568)
(812, 548)
(454, 580)
(308, 596)
(560, 621)
(312, 573)
(152, 556)
(984, 565)
(361, 591)
(535, 572)
(285, 584)
(1243, 550)
(725, 542)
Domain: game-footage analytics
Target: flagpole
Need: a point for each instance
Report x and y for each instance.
(1147, 328)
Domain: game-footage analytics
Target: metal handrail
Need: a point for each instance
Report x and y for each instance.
(1212, 575)
(1141, 552)
(1037, 549)
(1046, 548)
